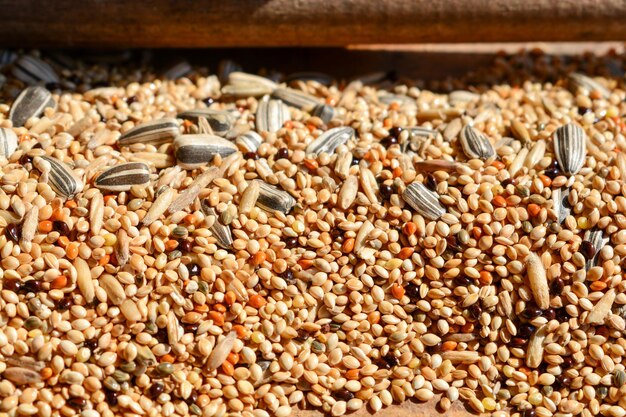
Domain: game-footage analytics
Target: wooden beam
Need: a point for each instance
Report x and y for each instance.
(238, 23)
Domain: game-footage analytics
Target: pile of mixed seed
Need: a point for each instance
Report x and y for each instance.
(187, 244)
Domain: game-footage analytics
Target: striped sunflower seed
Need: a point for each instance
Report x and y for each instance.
(155, 132)
(7, 57)
(318, 77)
(580, 81)
(271, 115)
(569, 148)
(61, 177)
(416, 138)
(221, 121)
(123, 177)
(227, 67)
(194, 151)
(8, 142)
(272, 199)
(597, 240)
(30, 103)
(239, 77)
(31, 70)
(220, 231)
(402, 100)
(330, 140)
(560, 203)
(324, 112)
(241, 84)
(295, 98)
(476, 145)
(177, 70)
(424, 201)
(249, 141)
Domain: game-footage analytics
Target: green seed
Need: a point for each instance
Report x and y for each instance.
(165, 369)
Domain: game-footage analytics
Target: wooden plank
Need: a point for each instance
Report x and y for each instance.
(209, 23)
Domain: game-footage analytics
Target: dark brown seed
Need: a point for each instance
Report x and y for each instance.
(282, 153)
(155, 390)
(587, 250)
(12, 232)
(525, 330)
(556, 286)
(31, 286)
(531, 311)
(385, 190)
(343, 395)
(11, 284)
(61, 227)
(76, 402)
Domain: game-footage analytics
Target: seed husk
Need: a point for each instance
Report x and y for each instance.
(61, 177)
(84, 279)
(21, 376)
(123, 177)
(272, 199)
(155, 132)
(221, 121)
(476, 145)
(569, 148)
(424, 201)
(534, 354)
(113, 288)
(601, 310)
(249, 141)
(160, 205)
(8, 142)
(598, 241)
(29, 227)
(221, 350)
(31, 102)
(31, 70)
(271, 115)
(580, 81)
(538, 280)
(330, 140)
(348, 192)
(194, 151)
(186, 197)
(249, 197)
(220, 231)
